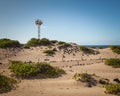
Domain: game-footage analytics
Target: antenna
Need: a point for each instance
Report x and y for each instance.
(38, 22)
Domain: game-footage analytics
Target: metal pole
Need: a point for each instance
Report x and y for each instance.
(38, 32)
(38, 22)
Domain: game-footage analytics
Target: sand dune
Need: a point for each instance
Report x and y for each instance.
(72, 63)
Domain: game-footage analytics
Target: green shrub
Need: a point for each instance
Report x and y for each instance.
(61, 42)
(85, 49)
(36, 42)
(21, 69)
(54, 41)
(6, 83)
(59, 71)
(33, 42)
(113, 62)
(46, 70)
(45, 42)
(104, 81)
(115, 49)
(26, 47)
(6, 43)
(65, 45)
(85, 77)
(49, 52)
(113, 89)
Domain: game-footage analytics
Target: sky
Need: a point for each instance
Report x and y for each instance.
(85, 22)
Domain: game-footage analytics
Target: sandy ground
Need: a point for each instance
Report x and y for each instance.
(75, 62)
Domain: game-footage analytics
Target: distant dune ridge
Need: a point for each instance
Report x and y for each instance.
(68, 57)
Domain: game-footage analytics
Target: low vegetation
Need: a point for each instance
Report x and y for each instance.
(115, 49)
(7, 43)
(41, 70)
(113, 89)
(85, 49)
(104, 81)
(6, 83)
(49, 52)
(54, 41)
(85, 77)
(45, 42)
(91, 79)
(61, 43)
(36, 42)
(33, 42)
(64, 44)
(114, 62)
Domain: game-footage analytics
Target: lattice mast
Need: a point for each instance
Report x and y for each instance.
(38, 22)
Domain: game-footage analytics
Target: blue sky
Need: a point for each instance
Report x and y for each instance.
(84, 22)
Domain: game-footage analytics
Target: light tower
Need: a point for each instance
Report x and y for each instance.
(38, 22)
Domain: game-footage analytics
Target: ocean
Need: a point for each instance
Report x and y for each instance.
(99, 46)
